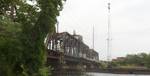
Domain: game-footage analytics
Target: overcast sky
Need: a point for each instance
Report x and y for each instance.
(130, 22)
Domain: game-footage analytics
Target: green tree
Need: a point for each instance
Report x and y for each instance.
(141, 59)
(10, 47)
(147, 61)
(23, 28)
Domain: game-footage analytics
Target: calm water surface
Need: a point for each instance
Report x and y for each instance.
(104, 74)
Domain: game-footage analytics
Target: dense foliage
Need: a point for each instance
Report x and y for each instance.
(133, 60)
(24, 24)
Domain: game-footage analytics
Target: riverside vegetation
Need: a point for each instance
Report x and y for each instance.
(24, 24)
(140, 61)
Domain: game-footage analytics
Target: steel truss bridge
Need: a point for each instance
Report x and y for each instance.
(69, 52)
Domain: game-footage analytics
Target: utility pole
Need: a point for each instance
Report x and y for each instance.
(109, 34)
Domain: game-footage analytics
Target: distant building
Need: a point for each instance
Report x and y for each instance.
(119, 59)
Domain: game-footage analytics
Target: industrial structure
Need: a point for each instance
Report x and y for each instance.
(69, 52)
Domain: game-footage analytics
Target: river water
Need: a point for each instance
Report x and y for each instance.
(105, 74)
(98, 74)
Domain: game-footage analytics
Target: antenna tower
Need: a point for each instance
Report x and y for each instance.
(93, 37)
(109, 34)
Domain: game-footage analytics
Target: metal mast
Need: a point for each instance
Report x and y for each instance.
(57, 28)
(109, 34)
(93, 37)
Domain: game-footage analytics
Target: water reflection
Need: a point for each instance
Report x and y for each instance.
(106, 74)
(94, 74)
